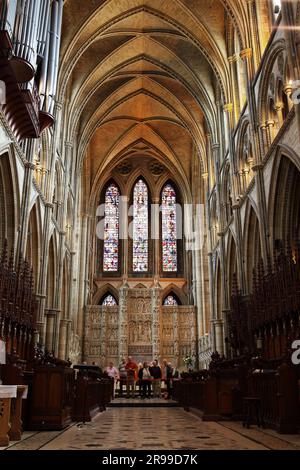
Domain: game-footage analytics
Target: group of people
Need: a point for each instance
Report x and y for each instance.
(148, 377)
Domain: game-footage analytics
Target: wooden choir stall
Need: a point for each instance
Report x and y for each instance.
(257, 382)
(38, 391)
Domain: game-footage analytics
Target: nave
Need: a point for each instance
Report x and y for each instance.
(149, 209)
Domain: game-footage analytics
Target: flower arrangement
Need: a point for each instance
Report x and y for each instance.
(188, 360)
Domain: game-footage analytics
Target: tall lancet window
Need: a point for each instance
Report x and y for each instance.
(140, 227)
(169, 229)
(111, 229)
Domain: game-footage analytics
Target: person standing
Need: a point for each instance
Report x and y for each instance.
(167, 372)
(122, 375)
(145, 378)
(113, 373)
(155, 371)
(131, 370)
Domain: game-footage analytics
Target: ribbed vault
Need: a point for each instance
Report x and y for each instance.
(146, 71)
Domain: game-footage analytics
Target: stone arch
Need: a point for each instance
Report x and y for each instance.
(176, 291)
(9, 202)
(284, 204)
(103, 291)
(252, 244)
(266, 99)
(33, 246)
(232, 263)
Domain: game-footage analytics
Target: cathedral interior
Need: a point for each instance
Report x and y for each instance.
(150, 208)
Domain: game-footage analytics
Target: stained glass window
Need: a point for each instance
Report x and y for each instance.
(169, 239)
(140, 227)
(170, 301)
(109, 301)
(111, 229)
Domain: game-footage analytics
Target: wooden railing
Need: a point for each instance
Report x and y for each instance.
(222, 393)
(93, 392)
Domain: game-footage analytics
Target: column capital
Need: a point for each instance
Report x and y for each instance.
(288, 88)
(246, 53)
(233, 58)
(58, 104)
(215, 146)
(30, 166)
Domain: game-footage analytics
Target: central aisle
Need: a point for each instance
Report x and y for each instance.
(149, 428)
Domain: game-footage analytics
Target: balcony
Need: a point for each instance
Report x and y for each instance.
(22, 107)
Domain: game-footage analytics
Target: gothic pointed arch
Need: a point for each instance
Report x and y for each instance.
(174, 291)
(8, 201)
(103, 291)
(33, 241)
(252, 247)
(284, 205)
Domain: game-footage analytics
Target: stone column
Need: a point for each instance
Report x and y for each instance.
(63, 335)
(42, 287)
(50, 325)
(123, 233)
(235, 88)
(70, 295)
(155, 232)
(63, 322)
(24, 212)
(219, 337)
(155, 309)
(176, 337)
(252, 14)
(123, 321)
(83, 273)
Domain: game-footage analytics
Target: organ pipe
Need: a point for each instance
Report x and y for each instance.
(25, 30)
(54, 45)
(8, 10)
(43, 28)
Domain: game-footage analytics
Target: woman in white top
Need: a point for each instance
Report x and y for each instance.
(113, 373)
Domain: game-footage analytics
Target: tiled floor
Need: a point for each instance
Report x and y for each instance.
(148, 428)
(141, 428)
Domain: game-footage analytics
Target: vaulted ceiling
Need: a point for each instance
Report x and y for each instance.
(145, 71)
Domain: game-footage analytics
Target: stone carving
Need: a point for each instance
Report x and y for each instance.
(140, 326)
(156, 168)
(124, 168)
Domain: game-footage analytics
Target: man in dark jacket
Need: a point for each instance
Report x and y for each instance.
(155, 372)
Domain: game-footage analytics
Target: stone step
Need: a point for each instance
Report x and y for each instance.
(142, 403)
